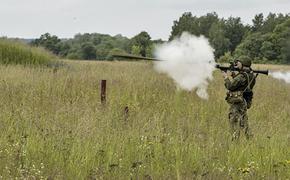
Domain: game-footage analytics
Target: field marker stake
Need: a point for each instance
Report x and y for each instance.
(103, 91)
(126, 112)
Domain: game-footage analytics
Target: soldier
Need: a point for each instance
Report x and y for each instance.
(239, 96)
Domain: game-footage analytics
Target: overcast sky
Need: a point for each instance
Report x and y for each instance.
(65, 18)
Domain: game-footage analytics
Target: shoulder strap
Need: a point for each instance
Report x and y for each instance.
(248, 80)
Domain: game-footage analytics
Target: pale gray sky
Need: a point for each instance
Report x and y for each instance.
(65, 18)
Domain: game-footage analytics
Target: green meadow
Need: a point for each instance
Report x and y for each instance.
(53, 125)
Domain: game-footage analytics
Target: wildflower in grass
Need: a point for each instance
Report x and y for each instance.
(244, 170)
(251, 166)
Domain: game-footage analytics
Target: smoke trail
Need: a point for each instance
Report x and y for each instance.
(189, 60)
(285, 76)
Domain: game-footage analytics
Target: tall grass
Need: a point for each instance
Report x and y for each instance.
(53, 126)
(15, 52)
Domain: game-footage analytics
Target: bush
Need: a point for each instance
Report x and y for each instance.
(73, 55)
(15, 52)
(226, 58)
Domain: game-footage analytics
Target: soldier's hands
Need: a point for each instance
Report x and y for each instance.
(227, 74)
(224, 75)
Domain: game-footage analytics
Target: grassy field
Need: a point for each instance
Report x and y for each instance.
(16, 52)
(53, 126)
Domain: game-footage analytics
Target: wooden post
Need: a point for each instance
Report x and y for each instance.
(103, 91)
(126, 112)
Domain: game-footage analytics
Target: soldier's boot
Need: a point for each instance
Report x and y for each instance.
(235, 130)
(236, 135)
(245, 127)
(249, 135)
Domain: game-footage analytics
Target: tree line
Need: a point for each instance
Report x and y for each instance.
(96, 46)
(267, 40)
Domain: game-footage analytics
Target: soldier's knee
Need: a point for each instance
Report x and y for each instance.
(249, 135)
(233, 118)
(235, 135)
(234, 121)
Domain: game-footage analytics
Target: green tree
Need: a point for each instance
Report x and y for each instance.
(234, 31)
(272, 21)
(218, 40)
(136, 50)
(285, 53)
(88, 51)
(268, 51)
(186, 23)
(205, 23)
(122, 42)
(102, 51)
(104, 48)
(114, 51)
(82, 45)
(258, 22)
(149, 51)
(49, 42)
(252, 46)
(272, 46)
(281, 36)
(64, 49)
(143, 41)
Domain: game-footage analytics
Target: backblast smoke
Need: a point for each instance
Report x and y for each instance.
(189, 61)
(285, 76)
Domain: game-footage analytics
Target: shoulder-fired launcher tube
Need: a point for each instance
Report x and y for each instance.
(225, 68)
(222, 68)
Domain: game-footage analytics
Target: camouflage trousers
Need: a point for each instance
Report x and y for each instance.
(238, 120)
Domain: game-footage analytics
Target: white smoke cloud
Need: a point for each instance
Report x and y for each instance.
(189, 60)
(285, 76)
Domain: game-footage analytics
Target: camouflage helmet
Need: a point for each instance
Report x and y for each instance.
(245, 60)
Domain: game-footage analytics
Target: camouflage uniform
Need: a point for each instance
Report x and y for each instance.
(239, 97)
